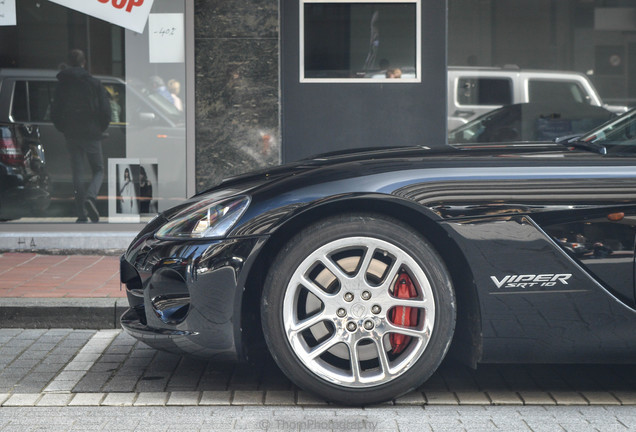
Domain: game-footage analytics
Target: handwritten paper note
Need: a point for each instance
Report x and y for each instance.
(7, 13)
(166, 33)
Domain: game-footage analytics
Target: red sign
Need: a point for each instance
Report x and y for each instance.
(131, 14)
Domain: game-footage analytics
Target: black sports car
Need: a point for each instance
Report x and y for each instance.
(362, 270)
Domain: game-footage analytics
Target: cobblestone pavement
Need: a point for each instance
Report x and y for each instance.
(63, 367)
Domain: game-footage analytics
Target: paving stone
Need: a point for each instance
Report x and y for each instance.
(215, 398)
(186, 398)
(625, 397)
(280, 397)
(22, 399)
(440, 398)
(568, 398)
(120, 384)
(600, 398)
(86, 357)
(152, 398)
(55, 399)
(413, 398)
(58, 386)
(78, 366)
(87, 399)
(472, 398)
(304, 398)
(504, 398)
(247, 397)
(46, 366)
(536, 398)
(92, 381)
(119, 399)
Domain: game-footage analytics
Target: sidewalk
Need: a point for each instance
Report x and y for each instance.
(73, 291)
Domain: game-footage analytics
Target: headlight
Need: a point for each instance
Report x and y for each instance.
(204, 219)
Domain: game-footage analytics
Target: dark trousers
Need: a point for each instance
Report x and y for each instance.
(82, 150)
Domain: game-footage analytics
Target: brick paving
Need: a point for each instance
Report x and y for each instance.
(30, 275)
(64, 367)
(110, 368)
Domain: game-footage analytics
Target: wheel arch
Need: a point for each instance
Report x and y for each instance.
(466, 344)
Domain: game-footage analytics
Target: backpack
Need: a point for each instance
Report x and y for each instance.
(81, 108)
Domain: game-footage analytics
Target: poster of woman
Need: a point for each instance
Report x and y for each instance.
(130, 189)
(127, 196)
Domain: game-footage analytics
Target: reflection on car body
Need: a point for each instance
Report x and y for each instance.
(361, 269)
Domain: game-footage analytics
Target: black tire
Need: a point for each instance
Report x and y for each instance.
(319, 309)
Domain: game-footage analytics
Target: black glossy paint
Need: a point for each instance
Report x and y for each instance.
(509, 213)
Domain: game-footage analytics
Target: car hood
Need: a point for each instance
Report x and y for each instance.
(279, 192)
(369, 157)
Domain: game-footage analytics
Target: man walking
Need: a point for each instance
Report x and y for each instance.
(81, 111)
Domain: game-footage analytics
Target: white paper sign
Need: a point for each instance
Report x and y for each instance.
(130, 14)
(166, 34)
(7, 13)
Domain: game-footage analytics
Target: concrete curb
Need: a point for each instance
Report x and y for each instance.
(38, 241)
(262, 398)
(75, 313)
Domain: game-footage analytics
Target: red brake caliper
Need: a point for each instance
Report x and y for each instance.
(403, 316)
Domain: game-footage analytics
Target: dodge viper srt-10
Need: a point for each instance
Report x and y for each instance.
(361, 271)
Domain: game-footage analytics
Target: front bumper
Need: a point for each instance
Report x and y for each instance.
(186, 297)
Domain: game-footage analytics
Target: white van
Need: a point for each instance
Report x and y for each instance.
(475, 91)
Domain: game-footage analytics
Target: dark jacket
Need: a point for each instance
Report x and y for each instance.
(80, 108)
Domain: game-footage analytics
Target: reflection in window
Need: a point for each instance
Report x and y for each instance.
(40, 98)
(19, 110)
(484, 91)
(557, 91)
(530, 122)
(622, 131)
(117, 100)
(358, 40)
(32, 101)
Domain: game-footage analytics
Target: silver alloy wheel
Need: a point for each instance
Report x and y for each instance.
(353, 349)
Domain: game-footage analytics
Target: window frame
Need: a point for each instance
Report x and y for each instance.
(418, 45)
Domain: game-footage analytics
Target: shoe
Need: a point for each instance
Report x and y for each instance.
(91, 209)
(81, 220)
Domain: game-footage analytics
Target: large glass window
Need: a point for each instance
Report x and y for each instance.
(143, 148)
(360, 40)
(531, 70)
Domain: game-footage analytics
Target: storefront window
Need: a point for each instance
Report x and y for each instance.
(144, 147)
(360, 40)
(523, 70)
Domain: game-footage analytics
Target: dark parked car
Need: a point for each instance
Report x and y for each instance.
(364, 269)
(531, 122)
(24, 182)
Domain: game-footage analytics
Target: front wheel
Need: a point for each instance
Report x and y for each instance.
(358, 309)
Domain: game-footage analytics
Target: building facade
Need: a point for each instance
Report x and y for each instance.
(244, 103)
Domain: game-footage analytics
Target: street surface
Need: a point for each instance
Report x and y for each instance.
(84, 380)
